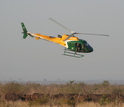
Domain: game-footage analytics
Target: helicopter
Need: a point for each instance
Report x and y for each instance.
(74, 46)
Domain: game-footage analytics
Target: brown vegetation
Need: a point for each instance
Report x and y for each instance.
(11, 97)
(70, 94)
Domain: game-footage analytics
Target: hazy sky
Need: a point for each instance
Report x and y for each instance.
(32, 60)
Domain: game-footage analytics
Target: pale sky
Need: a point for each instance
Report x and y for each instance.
(33, 60)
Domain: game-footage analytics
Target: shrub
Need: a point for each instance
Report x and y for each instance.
(12, 87)
(71, 102)
(117, 91)
(42, 101)
(104, 100)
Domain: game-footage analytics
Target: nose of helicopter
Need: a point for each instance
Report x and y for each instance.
(90, 49)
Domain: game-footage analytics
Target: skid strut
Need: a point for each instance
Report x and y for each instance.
(67, 52)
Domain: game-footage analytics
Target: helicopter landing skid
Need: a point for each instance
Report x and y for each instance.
(72, 54)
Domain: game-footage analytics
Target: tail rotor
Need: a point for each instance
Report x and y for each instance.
(25, 32)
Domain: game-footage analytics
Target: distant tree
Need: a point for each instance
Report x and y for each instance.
(71, 82)
(106, 83)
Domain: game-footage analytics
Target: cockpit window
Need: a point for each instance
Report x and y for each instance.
(85, 45)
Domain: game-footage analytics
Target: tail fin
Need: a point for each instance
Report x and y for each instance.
(25, 32)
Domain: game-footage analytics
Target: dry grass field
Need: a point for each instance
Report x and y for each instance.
(13, 94)
(26, 104)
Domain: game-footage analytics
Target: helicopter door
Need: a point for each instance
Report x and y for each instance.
(78, 47)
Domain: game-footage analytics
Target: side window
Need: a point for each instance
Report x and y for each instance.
(78, 47)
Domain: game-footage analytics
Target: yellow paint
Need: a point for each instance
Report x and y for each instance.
(71, 38)
(37, 38)
(55, 39)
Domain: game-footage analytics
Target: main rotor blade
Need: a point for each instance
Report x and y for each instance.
(69, 36)
(84, 34)
(92, 34)
(60, 24)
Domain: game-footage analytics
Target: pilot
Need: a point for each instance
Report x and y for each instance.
(78, 47)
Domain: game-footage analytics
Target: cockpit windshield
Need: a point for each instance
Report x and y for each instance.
(86, 45)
